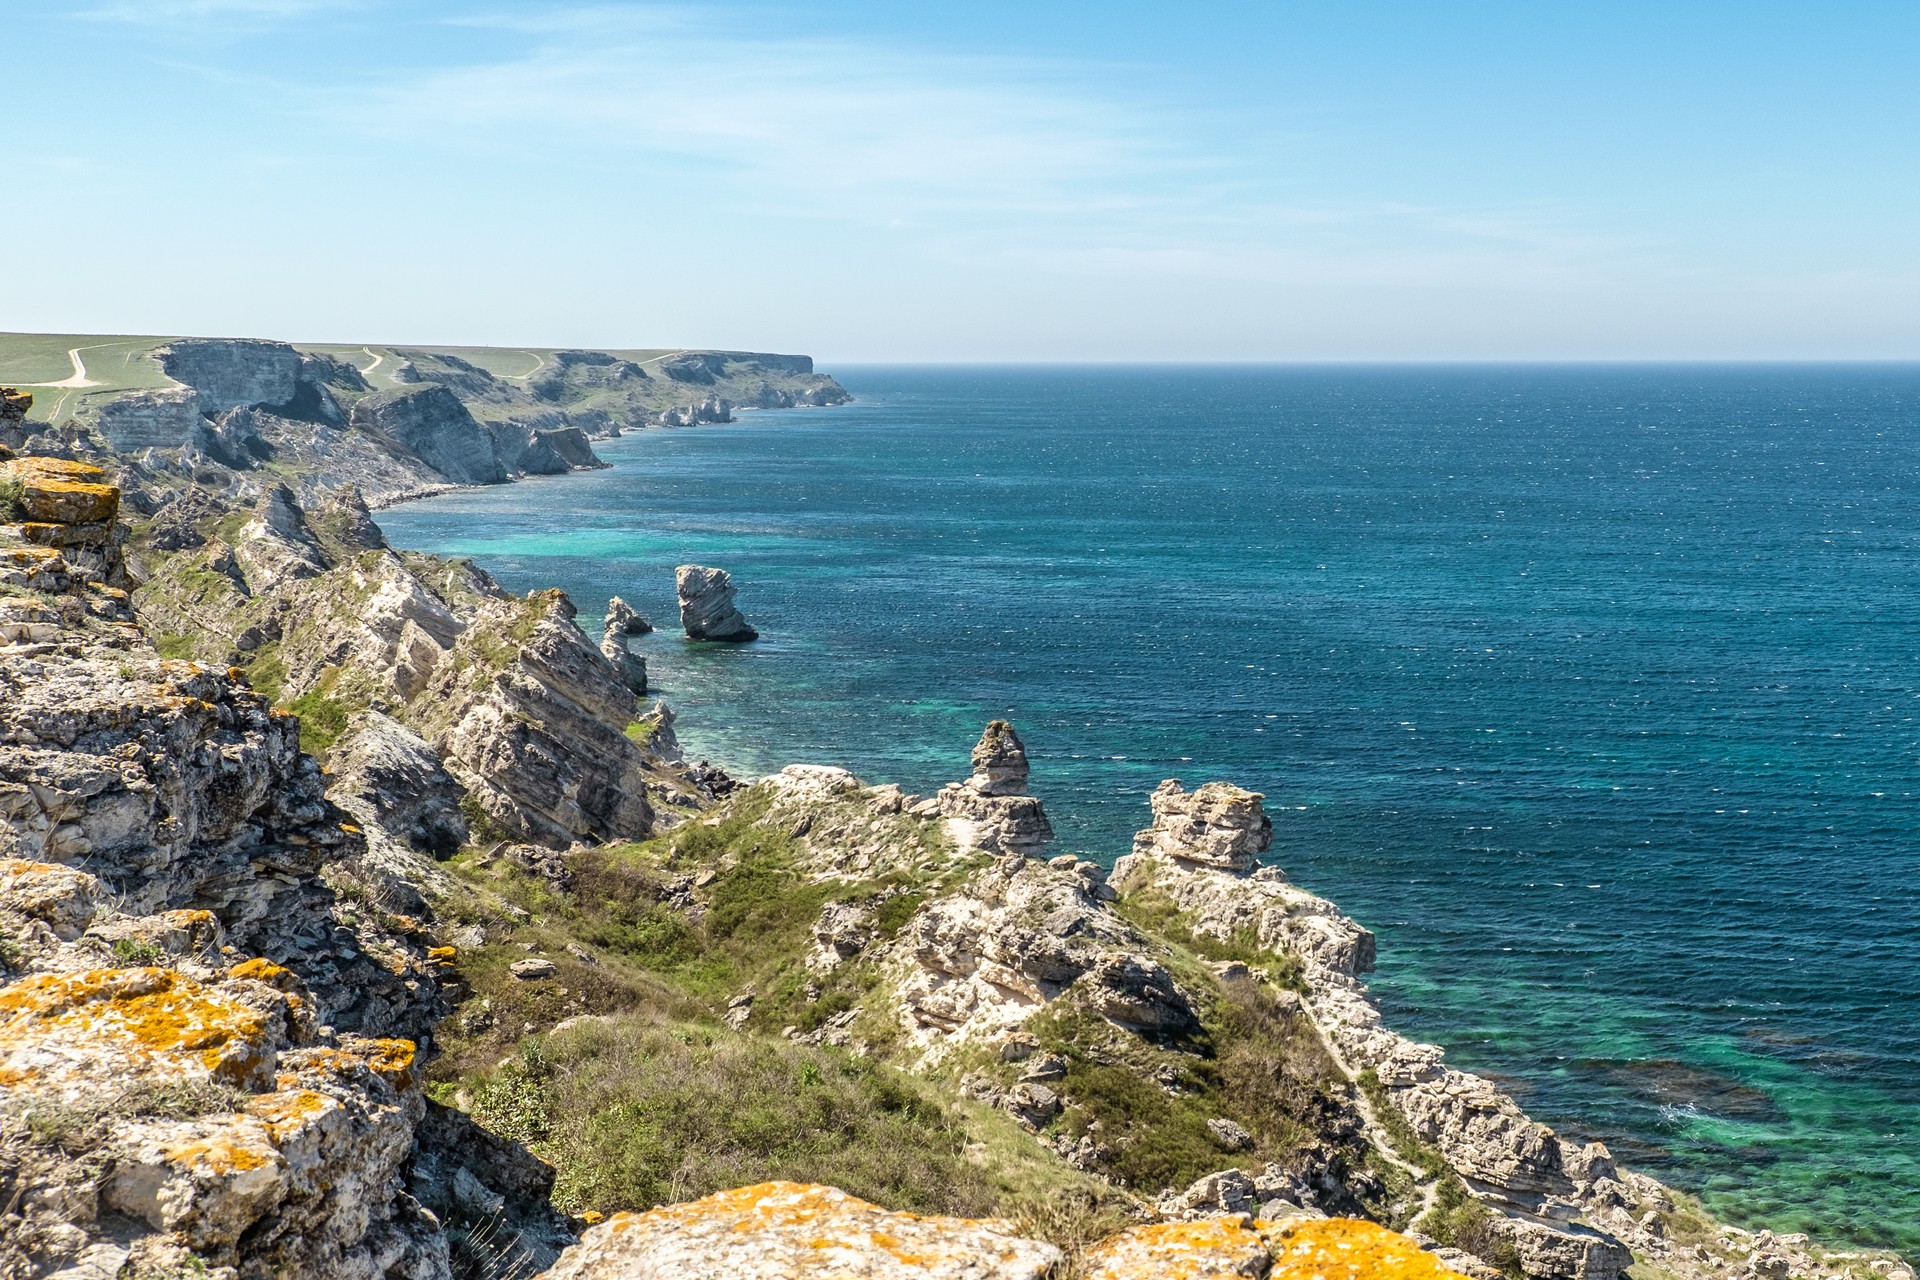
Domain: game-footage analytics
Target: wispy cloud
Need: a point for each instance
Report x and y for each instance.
(174, 12)
(842, 126)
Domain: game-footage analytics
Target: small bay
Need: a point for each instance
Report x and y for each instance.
(1593, 690)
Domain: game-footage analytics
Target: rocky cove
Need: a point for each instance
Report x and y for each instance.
(364, 922)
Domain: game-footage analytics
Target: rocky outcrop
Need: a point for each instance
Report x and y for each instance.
(185, 1068)
(800, 1232)
(1199, 855)
(624, 620)
(706, 605)
(151, 419)
(1217, 826)
(991, 810)
(536, 733)
(430, 422)
(14, 404)
(227, 373)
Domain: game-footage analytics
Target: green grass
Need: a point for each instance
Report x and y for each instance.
(322, 721)
(637, 1115)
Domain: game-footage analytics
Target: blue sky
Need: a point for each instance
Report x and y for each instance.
(988, 181)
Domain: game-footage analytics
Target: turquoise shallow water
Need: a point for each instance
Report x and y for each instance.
(1593, 691)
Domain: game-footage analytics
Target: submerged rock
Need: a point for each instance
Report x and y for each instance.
(706, 605)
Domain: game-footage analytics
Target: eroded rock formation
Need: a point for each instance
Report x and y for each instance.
(991, 809)
(707, 611)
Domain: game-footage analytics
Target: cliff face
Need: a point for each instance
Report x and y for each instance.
(431, 423)
(507, 695)
(200, 1041)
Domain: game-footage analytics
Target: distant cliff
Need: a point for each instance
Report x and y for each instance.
(394, 421)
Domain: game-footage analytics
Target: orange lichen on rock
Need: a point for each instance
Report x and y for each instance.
(55, 468)
(1347, 1249)
(60, 1029)
(392, 1060)
(258, 970)
(797, 1231)
(1228, 1249)
(219, 1154)
(289, 1110)
(56, 491)
(1216, 1249)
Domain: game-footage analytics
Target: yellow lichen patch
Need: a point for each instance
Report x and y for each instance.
(61, 896)
(221, 1154)
(391, 1060)
(289, 1110)
(1347, 1249)
(60, 1027)
(258, 970)
(62, 468)
(593, 1216)
(50, 499)
(443, 955)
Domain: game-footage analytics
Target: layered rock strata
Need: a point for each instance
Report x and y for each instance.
(206, 1056)
(991, 810)
(514, 703)
(621, 622)
(707, 611)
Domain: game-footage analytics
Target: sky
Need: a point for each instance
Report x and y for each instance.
(987, 181)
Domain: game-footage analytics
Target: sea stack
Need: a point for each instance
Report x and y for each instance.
(623, 620)
(706, 605)
(991, 809)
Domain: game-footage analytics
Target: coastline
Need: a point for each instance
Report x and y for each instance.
(1354, 1022)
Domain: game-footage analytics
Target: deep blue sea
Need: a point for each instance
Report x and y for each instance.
(1592, 690)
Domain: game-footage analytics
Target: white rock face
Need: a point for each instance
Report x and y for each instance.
(706, 605)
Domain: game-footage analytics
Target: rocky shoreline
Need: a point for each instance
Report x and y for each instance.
(326, 869)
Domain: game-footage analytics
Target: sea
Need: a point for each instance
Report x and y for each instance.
(1592, 690)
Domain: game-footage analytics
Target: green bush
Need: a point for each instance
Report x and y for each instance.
(13, 499)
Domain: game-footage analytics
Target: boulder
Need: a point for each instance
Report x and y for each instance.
(55, 491)
(800, 1232)
(706, 605)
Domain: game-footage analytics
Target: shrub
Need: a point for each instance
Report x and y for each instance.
(13, 499)
(135, 953)
(638, 1115)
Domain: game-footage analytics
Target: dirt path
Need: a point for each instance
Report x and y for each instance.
(79, 378)
(378, 360)
(539, 363)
